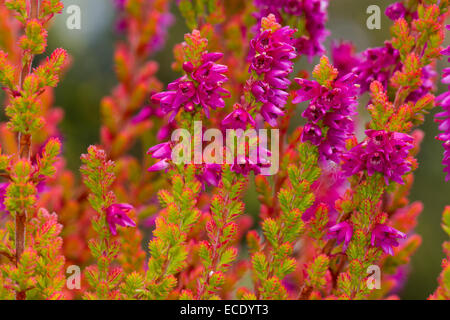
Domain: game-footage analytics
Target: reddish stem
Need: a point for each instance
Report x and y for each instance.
(24, 153)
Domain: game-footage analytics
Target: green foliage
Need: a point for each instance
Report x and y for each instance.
(218, 254)
(21, 192)
(168, 248)
(23, 115)
(49, 268)
(403, 41)
(35, 39)
(446, 221)
(48, 158)
(324, 72)
(194, 47)
(7, 77)
(98, 176)
(24, 108)
(317, 271)
(188, 12)
(282, 231)
(270, 23)
(31, 243)
(50, 7)
(196, 12)
(20, 6)
(410, 74)
(48, 72)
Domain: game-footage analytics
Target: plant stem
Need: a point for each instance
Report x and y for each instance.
(24, 153)
(34, 9)
(20, 245)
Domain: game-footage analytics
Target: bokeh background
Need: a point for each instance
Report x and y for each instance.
(91, 77)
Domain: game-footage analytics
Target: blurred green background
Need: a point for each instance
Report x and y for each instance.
(91, 77)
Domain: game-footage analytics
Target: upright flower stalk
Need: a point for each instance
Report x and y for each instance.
(270, 67)
(98, 176)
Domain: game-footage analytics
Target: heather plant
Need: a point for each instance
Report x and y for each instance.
(157, 210)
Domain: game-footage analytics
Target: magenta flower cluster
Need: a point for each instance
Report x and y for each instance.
(386, 238)
(383, 152)
(272, 62)
(443, 118)
(383, 236)
(201, 85)
(314, 14)
(379, 64)
(342, 232)
(395, 11)
(376, 65)
(344, 57)
(328, 114)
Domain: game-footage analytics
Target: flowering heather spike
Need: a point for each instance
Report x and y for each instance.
(201, 86)
(309, 15)
(409, 58)
(443, 118)
(384, 152)
(270, 67)
(386, 237)
(98, 176)
(329, 112)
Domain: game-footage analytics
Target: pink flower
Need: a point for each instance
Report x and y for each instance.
(330, 108)
(344, 57)
(116, 214)
(384, 152)
(163, 152)
(272, 61)
(160, 151)
(238, 119)
(313, 14)
(210, 174)
(342, 232)
(206, 90)
(386, 237)
(160, 165)
(3, 187)
(395, 11)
